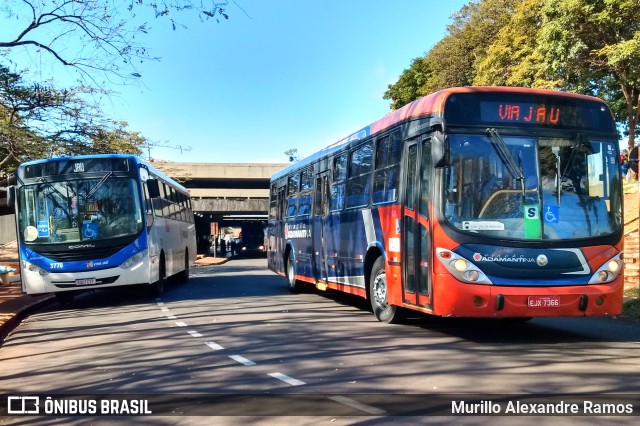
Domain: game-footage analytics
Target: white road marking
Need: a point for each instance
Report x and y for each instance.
(242, 360)
(214, 346)
(172, 317)
(181, 324)
(160, 303)
(357, 405)
(287, 379)
(194, 333)
(164, 309)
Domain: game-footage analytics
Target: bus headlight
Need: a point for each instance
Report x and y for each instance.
(609, 271)
(33, 268)
(461, 268)
(134, 261)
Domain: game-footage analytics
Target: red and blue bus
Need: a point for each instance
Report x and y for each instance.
(469, 202)
(97, 221)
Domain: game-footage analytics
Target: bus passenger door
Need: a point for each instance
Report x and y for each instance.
(416, 233)
(320, 211)
(279, 231)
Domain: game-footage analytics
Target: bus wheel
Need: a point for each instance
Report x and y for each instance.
(158, 287)
(378, 293)
(294, 287)
(184, 275)
(65, 297)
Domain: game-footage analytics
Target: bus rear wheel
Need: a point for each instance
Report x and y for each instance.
(379, 295)
(183, 277)
(294, 286)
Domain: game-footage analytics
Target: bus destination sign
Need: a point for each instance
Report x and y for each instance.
(527, 113)
(480, 109)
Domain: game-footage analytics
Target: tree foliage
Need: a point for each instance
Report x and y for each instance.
(583, 46)
(594, 47)
(101, 40)
(451, 62)
(95, 36)
(39, 121)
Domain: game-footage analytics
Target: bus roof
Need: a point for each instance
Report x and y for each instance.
(134, 158)
(430, 105)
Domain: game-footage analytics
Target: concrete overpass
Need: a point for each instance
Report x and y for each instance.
(224, 193)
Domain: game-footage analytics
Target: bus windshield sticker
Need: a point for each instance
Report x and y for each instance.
(532, 227)
(394, 245)
(485, 225)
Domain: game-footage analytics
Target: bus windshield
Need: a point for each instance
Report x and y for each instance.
(547, 188)
(79, 210)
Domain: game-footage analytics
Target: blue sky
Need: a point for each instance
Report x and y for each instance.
(285, 74)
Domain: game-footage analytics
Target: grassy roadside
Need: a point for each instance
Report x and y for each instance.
(631, 309)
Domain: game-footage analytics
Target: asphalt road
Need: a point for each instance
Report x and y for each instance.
(236, 341)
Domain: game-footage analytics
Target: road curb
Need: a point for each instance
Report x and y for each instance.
(18, 310)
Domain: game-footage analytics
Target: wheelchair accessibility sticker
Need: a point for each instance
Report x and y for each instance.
(552, 214)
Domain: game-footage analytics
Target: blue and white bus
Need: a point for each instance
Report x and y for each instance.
(96, 221)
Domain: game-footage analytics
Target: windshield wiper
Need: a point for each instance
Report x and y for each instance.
(98, 185)
(506, 156)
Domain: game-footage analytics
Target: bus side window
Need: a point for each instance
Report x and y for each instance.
(386, 177)
(359, 181)
(292, 195)
(338, 184)
(273, 200)
(306, 185)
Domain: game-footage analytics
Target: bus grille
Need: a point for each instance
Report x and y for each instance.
(83, 254)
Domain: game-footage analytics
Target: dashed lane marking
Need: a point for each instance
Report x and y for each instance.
(357, 405)
(214, 346)
(287, 379)
(242, 360)
(181, 323)
(194, 333)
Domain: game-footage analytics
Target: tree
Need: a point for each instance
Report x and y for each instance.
(410, 84)
(593, 46)
(512, 59)
(451, 62)
(38, 121)
(94, 36)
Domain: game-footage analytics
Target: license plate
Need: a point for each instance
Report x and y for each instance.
(85, 281)
(543, 301)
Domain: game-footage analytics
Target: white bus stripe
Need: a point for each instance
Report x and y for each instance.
(357, 405)
(369, 229)
(241, 360)
(287, 379)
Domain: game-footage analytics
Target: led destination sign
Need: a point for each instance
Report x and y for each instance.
(509, 109)
(520, 113)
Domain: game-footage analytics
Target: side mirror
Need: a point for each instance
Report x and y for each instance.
(154, 188)
(11, 196)
(438, 150)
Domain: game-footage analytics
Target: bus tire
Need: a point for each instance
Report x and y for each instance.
(184, 275)
(294, 286)
(379, 293)
(159, 286)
